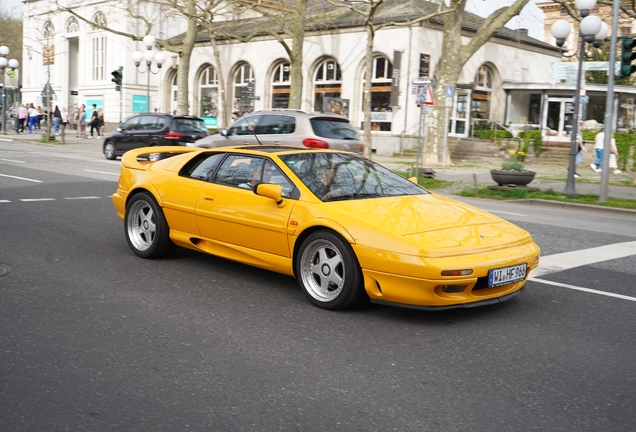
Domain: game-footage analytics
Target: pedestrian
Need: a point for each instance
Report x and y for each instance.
(94, 124)
(23, 117)
(236, 115)
(612, 163)
(81, 119)
(63, 122)
(33, 118)
(599, 143)
(581, 150)
(100, 122)
(57, 120)
(41, 116)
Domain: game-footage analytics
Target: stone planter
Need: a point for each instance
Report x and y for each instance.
(512, 178)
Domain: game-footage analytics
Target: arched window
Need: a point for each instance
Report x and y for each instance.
(244, 88)
(480, 105)
(280, 86)
(48, 30)
(100, 19)
(381, 115)
(209, 91)
(175, 92)
(327, 82)
(72, 26)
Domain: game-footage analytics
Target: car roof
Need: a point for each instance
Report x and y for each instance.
(292, 111)
(277, 149)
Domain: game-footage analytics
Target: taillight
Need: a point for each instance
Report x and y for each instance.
(172, 135)
(361, 148)
(315, 143)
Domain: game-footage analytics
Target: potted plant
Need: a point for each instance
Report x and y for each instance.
(512, 171)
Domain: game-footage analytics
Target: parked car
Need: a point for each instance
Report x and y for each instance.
(153, 129)
(345, 227)
(289, 127)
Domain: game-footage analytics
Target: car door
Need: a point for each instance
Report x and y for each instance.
(230, 212)
(275, 129)
(128, 134)
(180, 193)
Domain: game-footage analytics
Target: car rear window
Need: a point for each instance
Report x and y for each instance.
(334, 128)
(189, 125)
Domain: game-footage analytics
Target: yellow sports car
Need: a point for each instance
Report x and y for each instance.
(345, 227)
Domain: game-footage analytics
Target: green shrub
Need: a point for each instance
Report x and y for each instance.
(535, 137)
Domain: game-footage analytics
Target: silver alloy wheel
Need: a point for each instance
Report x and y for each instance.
(322, 270)
(109, 151)
(141, 226)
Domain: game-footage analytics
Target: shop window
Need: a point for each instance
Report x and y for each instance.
(381, 78)
(209, 96)
(281, 86)
(243, 85)
(327, 82)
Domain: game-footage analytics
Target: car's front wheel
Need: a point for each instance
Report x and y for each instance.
(147, 231)
(109, 150)
(328, 271)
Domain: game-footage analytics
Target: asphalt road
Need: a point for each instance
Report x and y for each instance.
(93, 338)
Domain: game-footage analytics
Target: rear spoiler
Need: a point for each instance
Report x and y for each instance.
(129, 159)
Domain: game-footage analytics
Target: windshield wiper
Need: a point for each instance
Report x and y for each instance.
(346, 197)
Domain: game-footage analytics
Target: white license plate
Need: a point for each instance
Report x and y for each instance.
(506, 275)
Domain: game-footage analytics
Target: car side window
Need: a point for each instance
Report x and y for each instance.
(238, 171)
(243, 126)
(202, 167)
(268, 125)
(147, 122)
(130, 124)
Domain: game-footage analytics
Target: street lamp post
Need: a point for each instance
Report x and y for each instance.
(149, 55)
(13, 63)
(591, 30)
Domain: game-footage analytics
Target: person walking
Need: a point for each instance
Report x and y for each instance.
(613, 157)
(599, 143)
(63, 122)
(57, 120)
(81, 122)
(94, 124)
(33, 118)
(23, 117)
(100, 122)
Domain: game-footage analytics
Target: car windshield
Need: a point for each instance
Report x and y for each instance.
(334, 128)
(344, 176)
(189, 125)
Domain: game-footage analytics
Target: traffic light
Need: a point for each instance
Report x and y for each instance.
(627, 44)
(117, 74)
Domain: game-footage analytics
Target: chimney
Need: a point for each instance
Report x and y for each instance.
(523, 32)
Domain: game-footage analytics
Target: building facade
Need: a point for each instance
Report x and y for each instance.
(77, 58)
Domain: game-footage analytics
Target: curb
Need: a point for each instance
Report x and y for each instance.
(588, 207)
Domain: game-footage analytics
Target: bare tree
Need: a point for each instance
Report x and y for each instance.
(455, 54)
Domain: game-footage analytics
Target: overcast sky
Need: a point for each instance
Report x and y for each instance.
(531, 16)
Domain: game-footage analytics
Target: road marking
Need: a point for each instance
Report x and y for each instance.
(81, 198)
(562, 285)
(21, 178)
(37, 199)
(568, 260)
(1, 201)
(6, 140)
(503, 212)
(11, 160)
(102, 172)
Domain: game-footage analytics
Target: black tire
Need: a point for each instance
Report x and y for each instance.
(328, 271)
(147, 231)
(109, 150)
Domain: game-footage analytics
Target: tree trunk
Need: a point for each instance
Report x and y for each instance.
(296, 57)
(183, 90)
(366, 98)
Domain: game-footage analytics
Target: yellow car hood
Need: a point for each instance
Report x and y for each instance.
(433, 222)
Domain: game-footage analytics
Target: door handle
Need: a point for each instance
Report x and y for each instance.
(208, 197)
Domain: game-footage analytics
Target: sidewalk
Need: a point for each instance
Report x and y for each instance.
(547, 177)
(462, 176)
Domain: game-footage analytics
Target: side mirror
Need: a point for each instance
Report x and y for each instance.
(224, 132)
(272, 191)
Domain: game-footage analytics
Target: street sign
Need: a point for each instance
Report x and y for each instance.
(429, 96)
(47, 90)
(584, 99)
(423, 81)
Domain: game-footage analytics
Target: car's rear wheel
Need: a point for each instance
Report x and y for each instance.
(109, 150)
(147, 231)
(328, 271)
